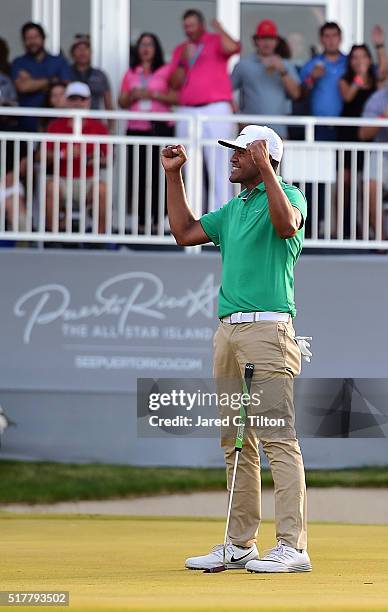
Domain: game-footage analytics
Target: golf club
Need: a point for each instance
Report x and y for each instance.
(248, 374)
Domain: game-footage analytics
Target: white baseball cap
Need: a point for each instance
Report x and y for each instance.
(77, 88)
(257, 132)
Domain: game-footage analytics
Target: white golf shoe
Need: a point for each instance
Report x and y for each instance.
(281, 558)
(235, 557)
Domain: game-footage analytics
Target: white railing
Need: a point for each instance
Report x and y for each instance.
(113, 201)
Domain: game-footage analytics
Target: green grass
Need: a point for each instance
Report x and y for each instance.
(45, 482)
(97, 560)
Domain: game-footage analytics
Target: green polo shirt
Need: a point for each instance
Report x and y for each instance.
(257, 265)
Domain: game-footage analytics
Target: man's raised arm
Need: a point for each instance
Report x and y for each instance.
(185, 228)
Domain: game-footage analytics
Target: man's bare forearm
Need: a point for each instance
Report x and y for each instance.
(292, 87)
(280, 208)
(179, 213)
(177, 78)
(30, 85)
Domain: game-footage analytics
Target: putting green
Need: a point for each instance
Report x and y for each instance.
(121, 563)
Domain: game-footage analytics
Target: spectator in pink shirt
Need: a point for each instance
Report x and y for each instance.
(200, 72)
(145, 88)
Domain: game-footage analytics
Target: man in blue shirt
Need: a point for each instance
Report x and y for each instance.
(33, 72)
(321, 75)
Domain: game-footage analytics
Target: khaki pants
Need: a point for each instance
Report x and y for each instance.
(271, 347)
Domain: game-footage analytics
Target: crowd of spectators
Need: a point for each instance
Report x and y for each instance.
(196, 81)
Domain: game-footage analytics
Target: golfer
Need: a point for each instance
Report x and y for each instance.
(260, 233)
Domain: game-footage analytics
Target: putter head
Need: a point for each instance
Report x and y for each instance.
(215, 570)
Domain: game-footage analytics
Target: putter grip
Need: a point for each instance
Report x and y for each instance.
(247, 380)
(248, 375)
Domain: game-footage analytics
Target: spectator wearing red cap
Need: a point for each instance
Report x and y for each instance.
(266, 82)
(200, 66)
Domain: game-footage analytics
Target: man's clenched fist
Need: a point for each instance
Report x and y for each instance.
(259, 152)
(173, 157)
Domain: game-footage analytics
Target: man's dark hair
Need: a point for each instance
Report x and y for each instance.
(330, 25)
(194, 13)
(31, 25)
(283, 48)
(158, 60)
(274, 164)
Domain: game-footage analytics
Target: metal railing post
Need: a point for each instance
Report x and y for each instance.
(194, 176)
(310, 131)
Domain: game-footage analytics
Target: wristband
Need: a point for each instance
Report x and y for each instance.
(284, 73)
(379, 46)
(359, 81)
(309, 81)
